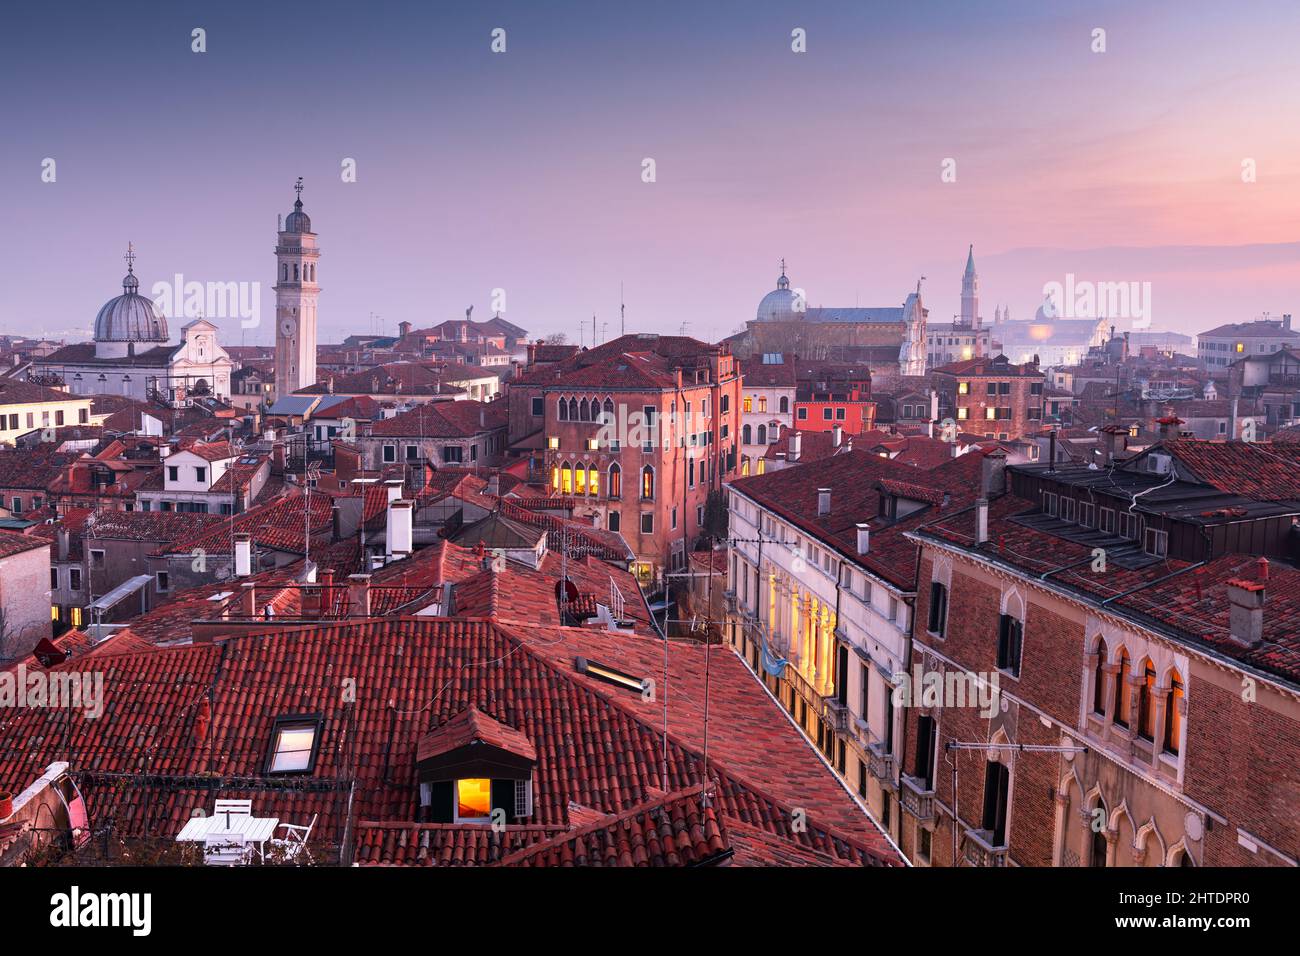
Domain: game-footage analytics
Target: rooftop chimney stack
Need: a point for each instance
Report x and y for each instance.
(981, 521)
(993, 473)
(837, 436)
(401, 529)
(243, 554)
(1246, 609)
(359, 595)
(394, 486)
(796, 446)
(823, 501)
(864, 537)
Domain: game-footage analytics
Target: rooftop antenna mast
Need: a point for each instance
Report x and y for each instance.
(622, 311)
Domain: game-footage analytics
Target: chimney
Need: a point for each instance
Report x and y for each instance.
(1246, 607)
(248, 599)
(326, 592)
(1234, 429)
(401, 531)
(1051, 450)
(277, 456)
(62, 537)
(394, 486)
(981, 521)
(494, 484)
(404, 329)
(864, 537)
(993, 473)
(243, 555)
(1286, 321)
(796, 446)
(359, 595)
(837, 436)
(823, 501)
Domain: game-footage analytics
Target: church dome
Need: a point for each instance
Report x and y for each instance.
(130, 317)
(778, 305)
(297, 221)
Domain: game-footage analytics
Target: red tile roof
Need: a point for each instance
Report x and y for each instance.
(595, 745)
(472, 726)
(1262, 471)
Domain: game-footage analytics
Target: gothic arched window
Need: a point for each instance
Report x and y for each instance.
(563, 409)
(647, 482)
(1121, 690)
(615, 481)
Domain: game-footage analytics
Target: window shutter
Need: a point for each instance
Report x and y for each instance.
(523, 798)
(442, 807)
(503, 797)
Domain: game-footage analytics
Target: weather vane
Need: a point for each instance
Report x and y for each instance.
(298, 187)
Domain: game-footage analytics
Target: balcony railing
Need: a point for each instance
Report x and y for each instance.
(978, 851)
(880, 764)
(836, 714)
(916, 800)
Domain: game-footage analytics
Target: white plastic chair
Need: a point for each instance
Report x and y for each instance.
(288, 847)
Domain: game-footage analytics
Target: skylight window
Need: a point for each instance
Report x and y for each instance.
(294, 744)
(609, 675)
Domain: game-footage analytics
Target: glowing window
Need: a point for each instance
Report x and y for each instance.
(963, 388)
(749, 404)
(293, 746)
(593, 481)
(76, 617)
(474, 798)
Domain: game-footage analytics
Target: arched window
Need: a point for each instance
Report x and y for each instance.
(745, 435)
(744, 466)
(313, 272)
(647, 482)
(1146, 702)
(573, 409)
(615, 481)
(566, 479)
(762, 466)
(284, 271)
(785, 405)
(609, 411)
(593, 481)
(295, 272)
(1097, 824)
(1121, 690)
(563, 410)
(1099, 681)
(1174, 716)
(762, 434)
(555, 478)
(584, 411)
(580, 480)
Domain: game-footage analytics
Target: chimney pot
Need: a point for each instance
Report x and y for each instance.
(243, 554)
(864, 537)
(359, 595)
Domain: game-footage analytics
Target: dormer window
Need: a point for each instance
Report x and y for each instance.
(295, 742)
(474, 769)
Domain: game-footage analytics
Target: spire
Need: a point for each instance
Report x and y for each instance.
(129, 282)
(970, 260)
(783, 282)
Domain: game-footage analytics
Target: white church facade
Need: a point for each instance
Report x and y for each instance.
(131, 354)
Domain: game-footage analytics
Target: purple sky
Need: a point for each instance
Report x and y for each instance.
(522, 170)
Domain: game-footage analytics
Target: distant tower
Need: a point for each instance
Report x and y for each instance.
(970, 293)
(295, 302)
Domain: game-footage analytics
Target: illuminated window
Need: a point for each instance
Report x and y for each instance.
(991, 414)
(744, 467)
(762, 403)
(615, 481)
(1121, 691)
(293, 745)
(963, 388)
(762, 465)
(473, 799)
(76, 616)
(1241, 347)
(749, 404)
(566, 479)
(647, 482)
(963, 414)
(1146, 703)
(593, 481)
(1173, 713)
(553, 443)
(555, 477)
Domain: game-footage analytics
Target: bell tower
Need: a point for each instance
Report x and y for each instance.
(296, 292)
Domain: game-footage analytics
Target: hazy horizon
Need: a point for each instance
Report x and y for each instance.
(522, 171)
